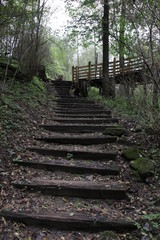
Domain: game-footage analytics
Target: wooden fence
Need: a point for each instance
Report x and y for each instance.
(95, 71)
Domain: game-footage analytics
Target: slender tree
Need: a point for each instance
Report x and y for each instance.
(108, 88)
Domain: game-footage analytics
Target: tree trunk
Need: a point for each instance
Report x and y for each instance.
(122, 88)
(108, 86)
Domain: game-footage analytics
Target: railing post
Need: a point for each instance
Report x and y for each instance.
(89, 71)
(114, 68)
(77, 76)
(129, 65)
(100, 72)
(72, 74)
(95, 71)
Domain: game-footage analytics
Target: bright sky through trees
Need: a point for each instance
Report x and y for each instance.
(59, 17)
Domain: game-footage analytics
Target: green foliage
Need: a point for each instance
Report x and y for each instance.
(40, 84)
(60, 59)
(132, 107)
(69, 156)
(149, 225)
(118, 104)
(86, 22)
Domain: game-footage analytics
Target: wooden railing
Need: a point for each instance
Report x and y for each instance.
(95, 71)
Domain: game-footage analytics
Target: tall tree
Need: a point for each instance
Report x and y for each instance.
(105, 82)
(108, 85)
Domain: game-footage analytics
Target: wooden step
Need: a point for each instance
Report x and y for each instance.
(74, 100)
(78, 189)
(68, 166)
(65, 98)
(82, 140)
(82, 110)
(79, 106)
(77, 115)
(76, 128)
(71, 221)
(85, 120)
(84, 155)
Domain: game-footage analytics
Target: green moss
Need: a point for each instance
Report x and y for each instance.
(131, 153)
(143, 166)
(114, 131)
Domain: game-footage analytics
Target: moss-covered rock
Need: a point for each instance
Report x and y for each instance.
(131, 153)
(143, 166)
(114, 131)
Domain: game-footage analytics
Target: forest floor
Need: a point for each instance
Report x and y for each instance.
(21, 127)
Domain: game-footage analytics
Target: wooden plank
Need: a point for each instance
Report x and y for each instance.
(81, 107)
(82, 110)
(114, 68)
(85, 120)
(78, 189)
(76, 115)
(92, 155)
(71, 221)
(82, 140)
(74, 100)
(76, 128)
(72, 74)
(68, 166)
(78, 104)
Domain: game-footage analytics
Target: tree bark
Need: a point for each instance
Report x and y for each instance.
(108, 86)
(122, 88)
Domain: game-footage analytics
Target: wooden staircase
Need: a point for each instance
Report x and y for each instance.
(85, 121)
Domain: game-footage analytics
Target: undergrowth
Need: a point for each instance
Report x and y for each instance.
(14, 101)
(134, 108)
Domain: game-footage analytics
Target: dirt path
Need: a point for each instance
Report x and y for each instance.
(72, 177)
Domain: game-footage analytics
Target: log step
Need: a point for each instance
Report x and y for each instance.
(74, 100)
(77, 115)
(82, 110)
(67, 166)
(77, 106)
(85, 120)
(87, 140)
(83, 155)
(76, 128)
(71, 221)
(78, 189)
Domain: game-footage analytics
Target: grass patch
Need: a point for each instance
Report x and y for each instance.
(118, 104)
(135, 108)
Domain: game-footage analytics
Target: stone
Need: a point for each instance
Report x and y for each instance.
(114, 131)
(143, 166)
(131, 153)
(138, 129)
